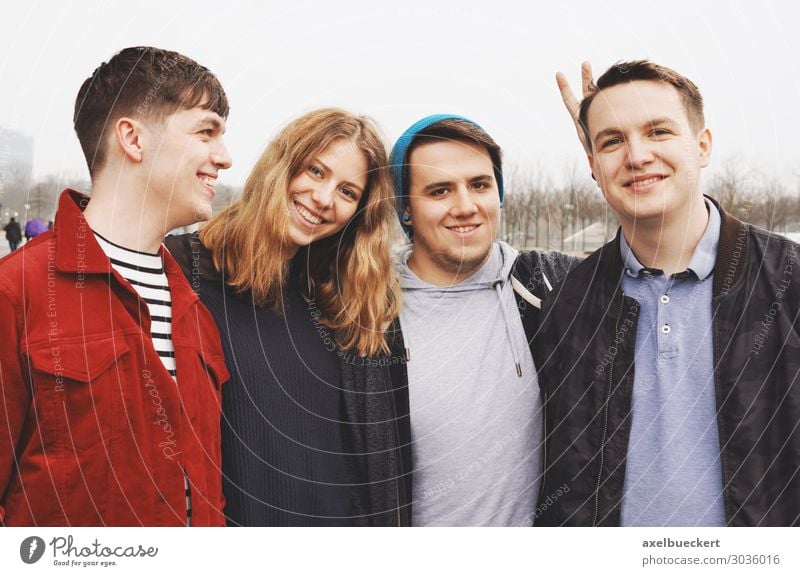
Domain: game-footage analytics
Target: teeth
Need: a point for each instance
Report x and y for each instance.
(308, 216)
(463, 229)
(208, 181)
(647, 182)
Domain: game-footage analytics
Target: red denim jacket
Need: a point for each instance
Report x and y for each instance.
(93, 429)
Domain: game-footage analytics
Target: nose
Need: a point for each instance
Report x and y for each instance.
(323, 193)
(220, 156)
(463, 203)
(640, 152)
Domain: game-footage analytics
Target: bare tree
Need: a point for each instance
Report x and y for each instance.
(225, 195)
(581, 207)
(42, 199)
(526, 191)
(513, 205)
(774, 208)
(731, 188)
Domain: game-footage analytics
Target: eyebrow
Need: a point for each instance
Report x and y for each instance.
(329, 171)
(649, 124)
(481, 177)
(213, 122)
(446, 183)
(440, 184)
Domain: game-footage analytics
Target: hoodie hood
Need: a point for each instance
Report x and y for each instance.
(494, 275)
(497, 268)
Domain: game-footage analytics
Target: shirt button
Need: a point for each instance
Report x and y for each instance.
(666, 329)
(664, 298)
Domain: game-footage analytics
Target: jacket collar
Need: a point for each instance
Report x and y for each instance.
(731, 253)
(76, 249)
(77, 252)
(183, 297)
(702, 260)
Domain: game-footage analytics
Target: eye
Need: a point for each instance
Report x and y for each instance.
(616, 141)
(207, 132)
(438, 192)
(349, 193)
(315, 171)
(480, 186)
(660, 132)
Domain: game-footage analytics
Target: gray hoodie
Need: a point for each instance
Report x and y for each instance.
(475, 408)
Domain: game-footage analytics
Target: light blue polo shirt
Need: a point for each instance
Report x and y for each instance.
(673, 475)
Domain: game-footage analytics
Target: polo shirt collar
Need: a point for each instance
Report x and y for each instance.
(703, 258)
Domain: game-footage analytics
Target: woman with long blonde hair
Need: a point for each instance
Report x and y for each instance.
(297, 274)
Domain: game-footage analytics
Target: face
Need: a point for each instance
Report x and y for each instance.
(646, 156)
(454, 205)
(188, 152)
(324, 195)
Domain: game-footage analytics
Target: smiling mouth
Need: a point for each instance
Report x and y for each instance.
(639, 183)
(209, 182)
(463, 229)
(307, 215)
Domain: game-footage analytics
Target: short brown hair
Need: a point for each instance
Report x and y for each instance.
(633, 70)
(453, 130)
(141, 82)
(448, 130)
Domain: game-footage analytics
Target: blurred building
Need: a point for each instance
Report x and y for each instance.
(16, 152)
(16, 165)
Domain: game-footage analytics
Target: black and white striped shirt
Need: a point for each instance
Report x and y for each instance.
(145, 273)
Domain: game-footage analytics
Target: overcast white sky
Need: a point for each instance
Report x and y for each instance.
(493, 61)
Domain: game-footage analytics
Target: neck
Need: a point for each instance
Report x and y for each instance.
(668, 245)
(121, 214)
(433, 273)
(291, 250)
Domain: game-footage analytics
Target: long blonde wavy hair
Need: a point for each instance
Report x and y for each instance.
(348, 276)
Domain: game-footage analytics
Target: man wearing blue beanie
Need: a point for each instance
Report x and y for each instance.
(467, 397)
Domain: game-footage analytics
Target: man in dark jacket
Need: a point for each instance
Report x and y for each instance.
(670, 358)
(466, 395)
(13, 233)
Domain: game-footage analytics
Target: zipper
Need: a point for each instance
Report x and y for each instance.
(726, 491)
(605, 417)
(545, 399)
(544, 453)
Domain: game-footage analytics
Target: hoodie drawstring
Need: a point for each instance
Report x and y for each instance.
(498, 288)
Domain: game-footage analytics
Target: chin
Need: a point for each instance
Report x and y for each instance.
(467, 261)
(298, 240)
(202, 213)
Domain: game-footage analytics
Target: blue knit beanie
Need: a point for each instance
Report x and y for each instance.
(398, 157)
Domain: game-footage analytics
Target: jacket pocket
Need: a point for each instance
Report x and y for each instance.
(214, 369)
(205, 402)
(79, 386)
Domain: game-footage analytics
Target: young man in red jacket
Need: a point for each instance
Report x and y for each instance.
(110, 368)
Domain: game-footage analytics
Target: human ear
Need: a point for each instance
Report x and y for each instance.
(590, 159)
(704, 141)
(127, 135)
